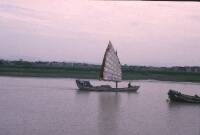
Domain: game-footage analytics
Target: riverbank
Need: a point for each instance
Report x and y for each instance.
(94, 74)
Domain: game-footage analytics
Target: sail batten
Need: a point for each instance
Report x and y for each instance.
(111, 67)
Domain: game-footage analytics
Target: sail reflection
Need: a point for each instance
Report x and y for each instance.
(108, 113)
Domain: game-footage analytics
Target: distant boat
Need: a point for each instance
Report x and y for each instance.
(179, 97)
(110, 71)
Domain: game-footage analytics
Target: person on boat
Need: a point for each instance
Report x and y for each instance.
(129, 85)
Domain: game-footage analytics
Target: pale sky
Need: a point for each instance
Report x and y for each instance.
(144, 33)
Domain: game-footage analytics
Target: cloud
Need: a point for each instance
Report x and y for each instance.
(195, 17)
(21, 11)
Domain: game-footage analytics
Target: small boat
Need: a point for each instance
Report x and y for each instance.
(110, 71)
(179, 97)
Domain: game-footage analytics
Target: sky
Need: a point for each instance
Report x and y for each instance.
(144, 33)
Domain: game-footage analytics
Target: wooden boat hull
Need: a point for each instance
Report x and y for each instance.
(179, 97)
(104, 88)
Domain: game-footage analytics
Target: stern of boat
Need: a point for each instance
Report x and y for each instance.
(78, 83)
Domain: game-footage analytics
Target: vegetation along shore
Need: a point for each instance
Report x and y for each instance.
(91, 71)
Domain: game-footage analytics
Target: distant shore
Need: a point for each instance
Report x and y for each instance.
(87, 75)
(91, 71)
(60, 73)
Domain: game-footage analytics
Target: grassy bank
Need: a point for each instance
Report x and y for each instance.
(163, 76)
(94, 74)
(48, 72)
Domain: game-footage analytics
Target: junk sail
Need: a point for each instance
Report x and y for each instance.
(111, 67)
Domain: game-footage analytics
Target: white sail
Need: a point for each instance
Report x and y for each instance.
(111, 67)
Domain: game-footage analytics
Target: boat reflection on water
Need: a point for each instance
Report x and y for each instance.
(183, 114)
(108, 113)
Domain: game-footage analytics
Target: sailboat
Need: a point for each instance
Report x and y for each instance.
(110, 71)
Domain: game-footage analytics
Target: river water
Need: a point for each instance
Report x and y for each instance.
(45, 106)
